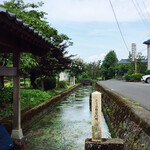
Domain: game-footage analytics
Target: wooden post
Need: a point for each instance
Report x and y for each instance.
(17, 131)
(96, 116)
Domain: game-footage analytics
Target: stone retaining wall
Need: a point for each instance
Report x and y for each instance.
(32, 113)
(126, 120)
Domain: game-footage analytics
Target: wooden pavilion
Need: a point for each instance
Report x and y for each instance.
(17, 37)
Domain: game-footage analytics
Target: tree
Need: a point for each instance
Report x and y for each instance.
(122, 69)
(141, 67)
(108, 68)
(50, 64)
(4, 61)
(28, 63)
(77, 67)
(94, 69)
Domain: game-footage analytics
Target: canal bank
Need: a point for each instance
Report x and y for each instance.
(126, 120)
(29, 116)
(67, 125)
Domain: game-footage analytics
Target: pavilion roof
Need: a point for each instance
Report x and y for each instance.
(17, 36)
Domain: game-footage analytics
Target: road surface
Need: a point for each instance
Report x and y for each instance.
(136, 91)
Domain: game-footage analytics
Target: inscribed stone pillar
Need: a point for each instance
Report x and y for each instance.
(96, 116)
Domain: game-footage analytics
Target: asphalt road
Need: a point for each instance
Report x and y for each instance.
(136, 91)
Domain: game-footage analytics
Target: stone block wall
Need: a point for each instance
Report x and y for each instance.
(126, 120)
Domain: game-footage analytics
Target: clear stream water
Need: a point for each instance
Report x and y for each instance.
(66, 126)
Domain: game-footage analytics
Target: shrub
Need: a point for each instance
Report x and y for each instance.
(6, 94)
(63, 84)
(84, 75)
(21, 83)
(76, 80)
(99, 78)
(127, 77)
(38, 83)
(49, 83)
(147, 72)
(136, 77)
(133, 77)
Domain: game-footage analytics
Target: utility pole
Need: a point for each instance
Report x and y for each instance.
(135, 61)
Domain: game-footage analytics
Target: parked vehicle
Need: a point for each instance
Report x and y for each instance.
(146, 78)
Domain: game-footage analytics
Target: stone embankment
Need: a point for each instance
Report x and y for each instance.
(126, 120)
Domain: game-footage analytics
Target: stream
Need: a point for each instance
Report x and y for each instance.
(67, 125)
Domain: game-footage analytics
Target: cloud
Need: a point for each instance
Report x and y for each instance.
(96, 57)
(92, 10)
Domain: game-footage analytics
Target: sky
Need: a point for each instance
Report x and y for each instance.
(92, 27)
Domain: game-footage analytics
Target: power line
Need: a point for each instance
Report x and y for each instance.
(148, 14)
(139, 13)
(118, 26)
(142, 14)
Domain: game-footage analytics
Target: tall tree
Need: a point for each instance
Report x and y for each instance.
(109, 64)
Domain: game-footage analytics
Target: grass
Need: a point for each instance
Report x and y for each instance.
(113, 79)
(29, 99)
(125, 98)
(10, 84)
(135, 103)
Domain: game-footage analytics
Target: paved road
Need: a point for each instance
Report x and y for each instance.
(135, 91)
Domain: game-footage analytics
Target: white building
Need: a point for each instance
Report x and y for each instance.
(65, 76)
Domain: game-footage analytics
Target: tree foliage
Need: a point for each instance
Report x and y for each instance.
(77, 67)
(122, 69)
(109, 64)
(94, 69)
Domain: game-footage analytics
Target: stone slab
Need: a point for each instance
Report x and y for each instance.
(104, 144)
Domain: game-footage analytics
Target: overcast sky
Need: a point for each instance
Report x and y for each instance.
(92, 27)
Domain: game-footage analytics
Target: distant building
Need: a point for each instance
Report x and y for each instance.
(65, 76)
(126, 61)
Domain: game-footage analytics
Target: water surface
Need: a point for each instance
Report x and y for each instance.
(66, 126)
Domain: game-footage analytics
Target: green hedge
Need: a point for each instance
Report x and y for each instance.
(63, 84)
(6, 94)
(49, 83)
(133, 77)
(147, 72)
